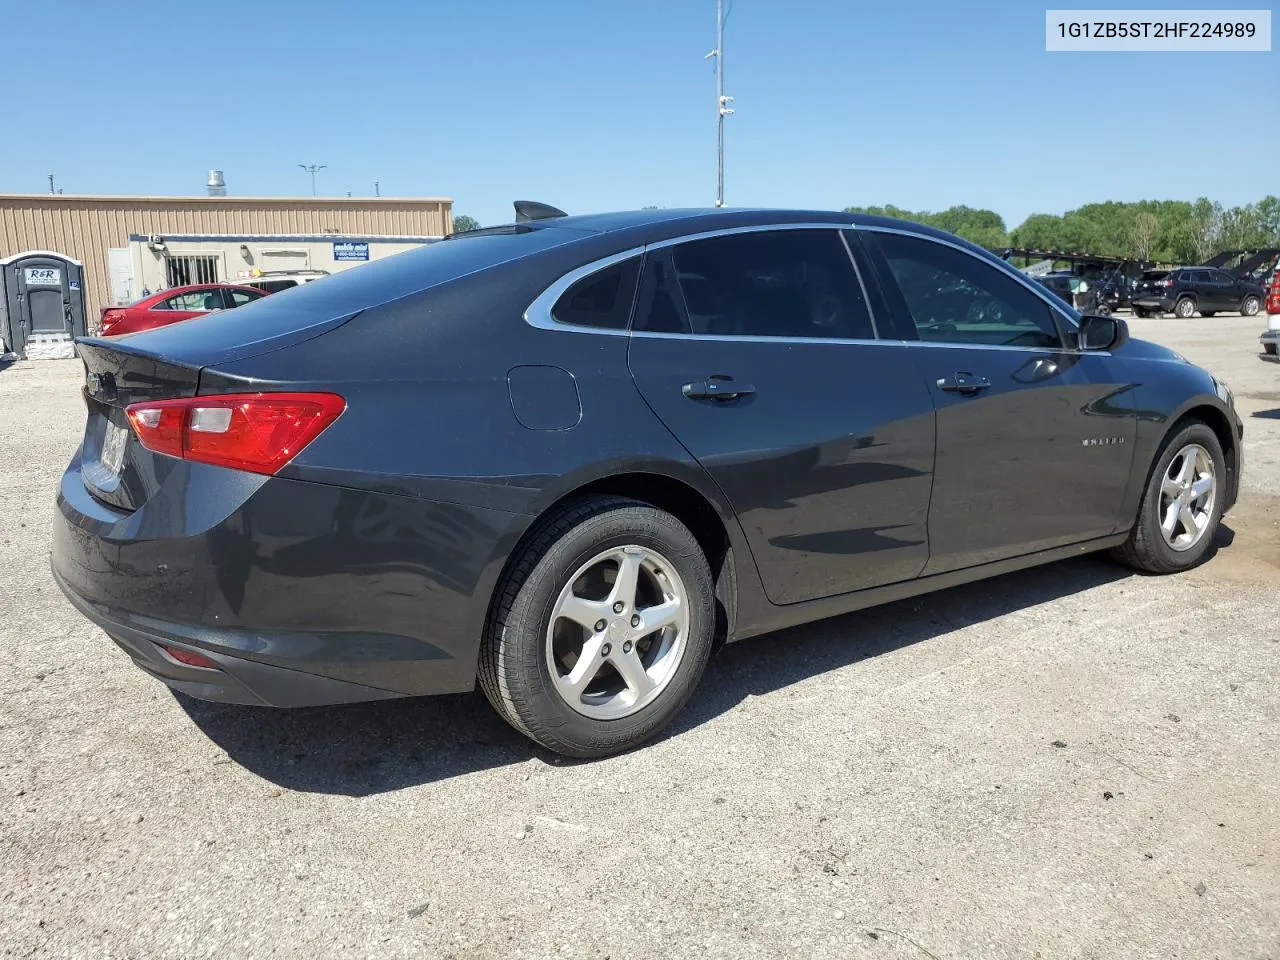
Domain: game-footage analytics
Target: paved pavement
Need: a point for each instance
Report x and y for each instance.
(1066, 762)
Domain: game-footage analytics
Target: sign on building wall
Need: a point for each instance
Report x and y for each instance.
(350, 250)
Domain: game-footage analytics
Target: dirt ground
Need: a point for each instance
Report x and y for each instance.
(1072, 761)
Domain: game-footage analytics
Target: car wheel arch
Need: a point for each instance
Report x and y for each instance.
(704, 511)
(1212, 413)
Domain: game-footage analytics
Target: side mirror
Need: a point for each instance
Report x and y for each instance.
(1102, 333)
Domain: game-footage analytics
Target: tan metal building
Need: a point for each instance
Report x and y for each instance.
(126, 243)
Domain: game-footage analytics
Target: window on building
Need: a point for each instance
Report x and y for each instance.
(180, 271)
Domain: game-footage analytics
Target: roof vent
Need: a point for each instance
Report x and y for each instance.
(216, 185)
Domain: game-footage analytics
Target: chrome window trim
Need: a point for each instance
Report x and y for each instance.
(538, 313)
(753, 228)
(1010, 271)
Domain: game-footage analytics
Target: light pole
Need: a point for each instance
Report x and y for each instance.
(722, 102)
(312, 169)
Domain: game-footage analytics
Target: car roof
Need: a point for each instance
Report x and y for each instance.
(646, 226)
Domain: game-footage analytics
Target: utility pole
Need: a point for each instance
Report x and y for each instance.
(722, 102)
(51, 190)
(377, 189)
(312, 169)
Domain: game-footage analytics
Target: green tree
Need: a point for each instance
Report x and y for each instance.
(983, 227)
(1146, 225)
(462, 223)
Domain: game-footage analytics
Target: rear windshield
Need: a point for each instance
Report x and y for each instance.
(1155, 274)
(360, 288)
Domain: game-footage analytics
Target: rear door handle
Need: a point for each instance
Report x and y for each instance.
(963, 383)
(717, 390)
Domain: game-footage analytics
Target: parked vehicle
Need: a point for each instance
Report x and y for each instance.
(1187, 290)
(170, 306)
(1271, 345)
(568, 456)
(1273, 302)
(273, 281)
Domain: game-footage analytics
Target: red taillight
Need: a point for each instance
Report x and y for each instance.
(190, 658)
(257, 432)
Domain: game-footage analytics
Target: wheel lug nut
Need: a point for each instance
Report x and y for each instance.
(600, 625)
(626, 647)
(635, 619)
(619, 607)
(606, 650)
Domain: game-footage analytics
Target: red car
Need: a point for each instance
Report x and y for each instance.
(174, 304)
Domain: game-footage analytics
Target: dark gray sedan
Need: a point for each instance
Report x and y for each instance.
(564, 458)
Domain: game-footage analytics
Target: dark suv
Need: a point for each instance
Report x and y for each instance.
(1187, 290)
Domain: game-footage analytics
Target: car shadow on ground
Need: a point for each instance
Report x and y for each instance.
(370, 748)
(1267, 414)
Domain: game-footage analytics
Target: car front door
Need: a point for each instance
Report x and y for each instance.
(1035, 438)
(758, 351)
(1227, 290)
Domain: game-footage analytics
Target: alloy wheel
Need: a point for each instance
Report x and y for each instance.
(1184, 308)
(617, 632)
(1187, 493)
(1250, 306)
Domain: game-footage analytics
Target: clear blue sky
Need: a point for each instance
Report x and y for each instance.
(608, 104)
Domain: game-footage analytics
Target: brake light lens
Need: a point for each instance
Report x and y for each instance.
(255, 432)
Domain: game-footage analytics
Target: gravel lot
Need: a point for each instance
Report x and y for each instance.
(1066, 762)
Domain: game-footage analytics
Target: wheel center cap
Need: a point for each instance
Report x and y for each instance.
(617, 629)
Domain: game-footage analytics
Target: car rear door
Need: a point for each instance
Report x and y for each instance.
(758, 351)
(1035, 438)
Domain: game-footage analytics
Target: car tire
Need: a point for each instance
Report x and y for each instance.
(1250, 306)
(1184, 308)
(1149, 548)
(565, 566)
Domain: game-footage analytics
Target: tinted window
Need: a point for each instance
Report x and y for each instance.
(603, 299)
(1217, 276)
(194, 300)
(953, 297)
(275, 286)
(239, 297)
(776, 283)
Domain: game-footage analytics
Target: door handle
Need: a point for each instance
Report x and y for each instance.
(717, 390)
(963, 383)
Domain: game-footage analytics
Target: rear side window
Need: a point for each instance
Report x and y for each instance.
(776, 283)
(954, 297)
(240, 297)
(603, 299)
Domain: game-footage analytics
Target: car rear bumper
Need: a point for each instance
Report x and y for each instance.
(1270, 346)
(301, 593)
(236, 679)
(1153, 303)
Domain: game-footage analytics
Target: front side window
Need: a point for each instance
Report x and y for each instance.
(954, 297)
(774, 283)
(602, 299)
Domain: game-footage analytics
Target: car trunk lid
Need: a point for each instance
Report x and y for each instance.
(165, 364)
